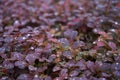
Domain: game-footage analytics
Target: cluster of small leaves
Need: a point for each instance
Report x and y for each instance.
(59, 40)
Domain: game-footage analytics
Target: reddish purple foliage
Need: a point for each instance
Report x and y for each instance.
(59, 40)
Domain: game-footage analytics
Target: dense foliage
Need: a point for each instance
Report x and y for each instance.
(59, 39)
